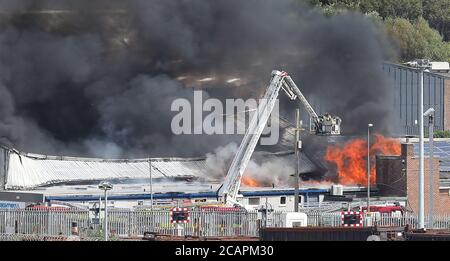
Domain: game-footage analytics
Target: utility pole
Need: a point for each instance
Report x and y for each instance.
(430, 114)
(298, 146)
(421, 158)
(151, 183)
(422, 64)
(430, 134)
(151, 190)
(105, 186)
(106, 216)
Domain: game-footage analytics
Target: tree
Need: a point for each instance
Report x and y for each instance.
(437, 12)
(442, 134)
(435, 48)
(410, 9)
(417, 40)
(404, 22)
(403, 35)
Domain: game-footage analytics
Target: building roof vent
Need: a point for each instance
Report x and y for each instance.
(440, 67)
(337, 190)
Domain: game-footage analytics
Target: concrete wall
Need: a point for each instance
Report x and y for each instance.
(441, 198)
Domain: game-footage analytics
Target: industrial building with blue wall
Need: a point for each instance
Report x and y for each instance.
(405, 82)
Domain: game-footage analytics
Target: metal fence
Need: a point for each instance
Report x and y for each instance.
(203, 223)
(22, 221)
(382, 220)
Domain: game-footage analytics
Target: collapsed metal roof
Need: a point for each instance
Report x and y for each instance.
(28, 171)
(25, 171)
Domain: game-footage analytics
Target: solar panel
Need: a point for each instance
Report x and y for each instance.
(441, 149)
(445, 168)
(446, 165)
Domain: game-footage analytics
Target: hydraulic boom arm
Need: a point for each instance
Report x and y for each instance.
(326, 124)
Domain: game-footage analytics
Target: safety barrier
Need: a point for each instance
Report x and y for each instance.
(127, 222)
(382, 220)
(202, 223)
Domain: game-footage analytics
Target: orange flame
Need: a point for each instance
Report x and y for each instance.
(250, 182)
(351, 158)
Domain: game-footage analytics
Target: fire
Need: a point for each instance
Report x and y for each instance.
(250, 182)
(351, 158)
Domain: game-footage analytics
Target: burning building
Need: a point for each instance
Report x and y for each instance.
(350, 160)
(95, 80)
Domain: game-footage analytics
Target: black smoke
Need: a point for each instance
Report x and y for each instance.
(98, 77)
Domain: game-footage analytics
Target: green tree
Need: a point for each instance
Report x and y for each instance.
(417, 40)
(437, 12)
(410, 9)
(368, 6)
(435, 47)
(403, 35)
(442, 134)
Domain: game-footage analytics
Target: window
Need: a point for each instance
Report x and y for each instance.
(282, 200)
(253, 201)
(140, 202)
(312, 198)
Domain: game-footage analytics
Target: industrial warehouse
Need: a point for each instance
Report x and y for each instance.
(138, 121)
(153, 183)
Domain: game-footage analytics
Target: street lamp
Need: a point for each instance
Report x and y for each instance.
(422, 65)
(370, 125)
(106, 186)
(430, 114)
(151, 191)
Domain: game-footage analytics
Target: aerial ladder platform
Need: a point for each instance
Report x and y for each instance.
(326, 124)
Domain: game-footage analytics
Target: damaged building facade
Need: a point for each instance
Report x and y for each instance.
(68, 179)
(396, 175)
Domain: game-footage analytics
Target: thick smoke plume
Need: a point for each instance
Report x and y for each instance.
(98, 77)
(265, 169)
(275, 171)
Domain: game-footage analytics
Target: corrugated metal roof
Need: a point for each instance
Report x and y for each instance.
(31, 170)
(26, 171)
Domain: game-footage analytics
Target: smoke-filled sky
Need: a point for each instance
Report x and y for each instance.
(97, 78)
